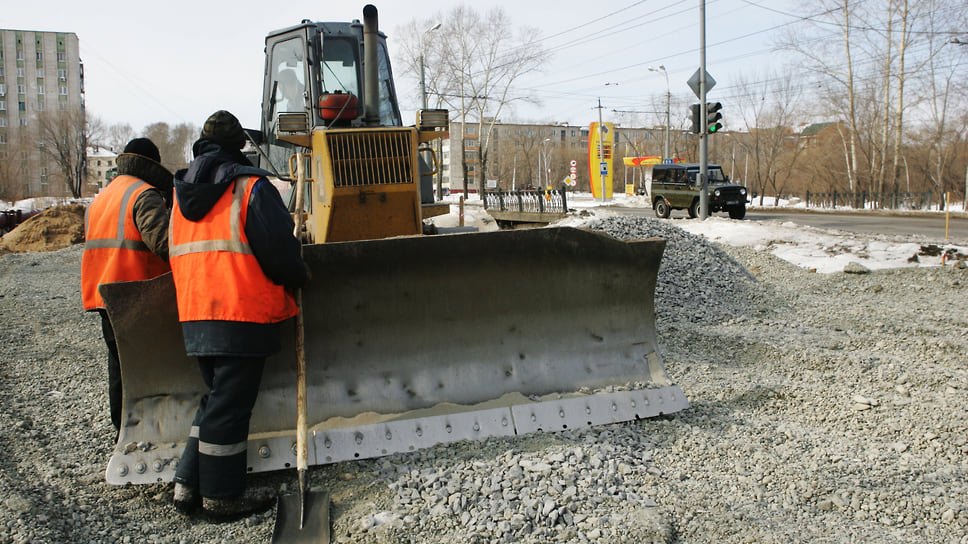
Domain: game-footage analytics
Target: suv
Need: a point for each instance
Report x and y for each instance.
(675, 187)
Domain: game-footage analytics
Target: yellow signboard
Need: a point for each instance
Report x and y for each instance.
(600, 146)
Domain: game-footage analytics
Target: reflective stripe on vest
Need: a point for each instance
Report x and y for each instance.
(232, 245)
(114, 250)
(217, 277)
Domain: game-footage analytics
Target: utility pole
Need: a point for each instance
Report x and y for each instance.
(704, 135)
(423, 101)
(668, 133)
(423, 84)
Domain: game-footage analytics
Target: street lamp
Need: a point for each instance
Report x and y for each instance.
(423, 85)
(547, 164)
(662, 69)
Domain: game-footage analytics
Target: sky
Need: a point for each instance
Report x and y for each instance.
(178, 61)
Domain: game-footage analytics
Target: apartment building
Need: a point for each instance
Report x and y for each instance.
(39, 72)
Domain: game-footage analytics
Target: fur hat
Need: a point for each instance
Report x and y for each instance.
(224, 129)
(143, 147)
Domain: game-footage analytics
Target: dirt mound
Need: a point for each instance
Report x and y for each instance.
(54, 228)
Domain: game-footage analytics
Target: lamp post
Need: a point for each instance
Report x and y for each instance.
(423, 103)
(668, 132)
(423, 84)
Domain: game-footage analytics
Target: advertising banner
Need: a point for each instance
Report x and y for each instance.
(600, 144)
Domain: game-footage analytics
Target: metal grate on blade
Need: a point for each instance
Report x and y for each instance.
(372, 157)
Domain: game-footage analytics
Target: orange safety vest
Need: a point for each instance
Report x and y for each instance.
(114, 249)
(217, 277)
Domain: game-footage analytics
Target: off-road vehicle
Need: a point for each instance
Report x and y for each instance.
(676, 187)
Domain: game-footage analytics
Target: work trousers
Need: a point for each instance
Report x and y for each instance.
(114, 371)
(214, 459)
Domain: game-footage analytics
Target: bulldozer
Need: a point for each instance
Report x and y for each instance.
(411, 339)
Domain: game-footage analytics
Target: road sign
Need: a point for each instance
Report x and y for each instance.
(694, 83)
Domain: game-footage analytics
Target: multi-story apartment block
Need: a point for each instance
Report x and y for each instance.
(39, 72)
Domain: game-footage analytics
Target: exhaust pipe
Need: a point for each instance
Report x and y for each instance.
(371, 71)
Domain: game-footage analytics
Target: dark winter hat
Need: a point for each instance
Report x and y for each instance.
(143, 147)
(224, 129)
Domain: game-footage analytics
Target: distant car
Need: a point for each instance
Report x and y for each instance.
(675, 187)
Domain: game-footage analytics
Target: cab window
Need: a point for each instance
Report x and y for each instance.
(284, 93)
(339, 68)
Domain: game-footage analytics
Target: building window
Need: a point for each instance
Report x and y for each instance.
(20, 54)
(1, 68)
(62, 90)
(3, 105)
(3, 121)
(62, 75)
(40, 90)
(40, 105)
(21, 89)
(22, 106)
(61, 56)
(20, 73)
(40, 56)
(3, 90)
(23, 121)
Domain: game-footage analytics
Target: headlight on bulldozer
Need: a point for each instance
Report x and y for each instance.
(716, 192)
(742, 192)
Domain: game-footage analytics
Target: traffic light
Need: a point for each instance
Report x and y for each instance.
(713, 116)
(695, 114)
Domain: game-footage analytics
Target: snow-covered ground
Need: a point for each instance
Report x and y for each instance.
(822, 250)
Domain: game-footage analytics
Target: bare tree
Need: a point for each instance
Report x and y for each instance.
(766, 110)
(63, 137)
(174, 144)
(472, 64)
(118, 136)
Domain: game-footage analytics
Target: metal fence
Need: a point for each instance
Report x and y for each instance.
(865, 199)
(527, 201)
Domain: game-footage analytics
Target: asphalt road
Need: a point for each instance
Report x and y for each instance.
(928, 225)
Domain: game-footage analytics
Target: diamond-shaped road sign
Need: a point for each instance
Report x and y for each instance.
(694, 83)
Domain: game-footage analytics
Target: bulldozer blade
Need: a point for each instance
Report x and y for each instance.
(417, 341)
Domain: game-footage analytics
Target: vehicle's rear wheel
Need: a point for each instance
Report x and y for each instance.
(661, 208)
(694, 209)
(737, 212)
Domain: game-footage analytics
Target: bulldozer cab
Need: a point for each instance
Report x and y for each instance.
(314, 72)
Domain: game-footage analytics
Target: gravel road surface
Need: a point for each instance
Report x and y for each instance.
(825, 408)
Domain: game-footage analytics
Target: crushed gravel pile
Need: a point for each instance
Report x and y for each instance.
(825, 408)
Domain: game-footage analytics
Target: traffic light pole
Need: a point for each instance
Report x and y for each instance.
(704, 134)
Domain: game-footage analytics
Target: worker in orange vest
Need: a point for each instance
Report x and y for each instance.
(126, 233)
(235, 262)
